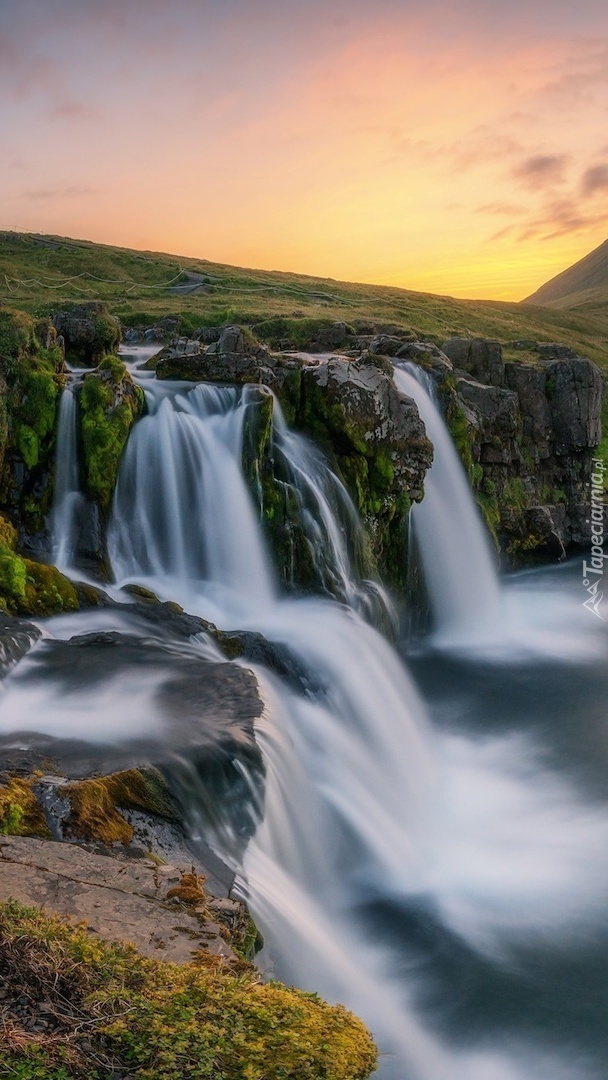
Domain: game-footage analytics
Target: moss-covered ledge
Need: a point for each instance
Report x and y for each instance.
(117, 1012)
(32, 588)
(110, 403)
(32, 373)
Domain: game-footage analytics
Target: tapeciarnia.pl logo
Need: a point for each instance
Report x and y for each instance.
(593, 571)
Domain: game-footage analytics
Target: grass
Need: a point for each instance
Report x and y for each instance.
(153, 1020)
(42, 274)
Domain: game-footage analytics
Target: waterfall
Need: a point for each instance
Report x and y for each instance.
(364, 804)
(68, 499)
(182, 517)
(451, 537)
(330, 523)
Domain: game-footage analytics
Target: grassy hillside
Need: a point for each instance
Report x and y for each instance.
(583, 287)
(44, 273)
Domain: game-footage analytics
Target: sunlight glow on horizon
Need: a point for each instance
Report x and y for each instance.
(403, 147)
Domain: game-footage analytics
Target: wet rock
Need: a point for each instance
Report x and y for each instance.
(378, 441)
(16, 639)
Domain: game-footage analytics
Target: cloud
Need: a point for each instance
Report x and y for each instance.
(560, 217)
(594, 180)
(542, 170)
(505, 209)
(47, 194)
(74, 110)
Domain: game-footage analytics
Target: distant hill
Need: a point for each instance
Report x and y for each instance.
(584, 284)
(40, 274)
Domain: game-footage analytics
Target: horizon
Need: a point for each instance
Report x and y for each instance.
(455, 153)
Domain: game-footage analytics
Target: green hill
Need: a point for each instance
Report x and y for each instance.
(45, 273)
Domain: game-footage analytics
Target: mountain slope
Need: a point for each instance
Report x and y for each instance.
(586, 282)
(40, 274)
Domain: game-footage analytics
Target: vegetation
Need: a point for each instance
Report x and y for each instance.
(281, 308)
(94, 803)
(20, 811)
(118, 1012)
(27, 587)
(109, 405)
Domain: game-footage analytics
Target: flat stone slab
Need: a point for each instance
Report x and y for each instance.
(120, 900)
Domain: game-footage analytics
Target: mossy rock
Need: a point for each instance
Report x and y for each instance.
(20, 811)
(110, 403)
(377, 441)
(28, 587)
(31, 377)
(159, 1021)
(95, 803)
(89, 332)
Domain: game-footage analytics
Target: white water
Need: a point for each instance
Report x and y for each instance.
(459, 569)
(361, 797)
(181, 510)
(329, 521)
(68, 499)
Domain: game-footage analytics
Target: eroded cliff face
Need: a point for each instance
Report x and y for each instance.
(527, 428)
(528, 431)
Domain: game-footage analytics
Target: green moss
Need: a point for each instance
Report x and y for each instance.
(93, 814)
(109, 406)
(47, 591)
(31, 588)
(460, 431)
(17, 339)
(514, 494)
(159, 1021)
(95, 802)
(20, 811)
(488, 504)
(28, 445)
(13, 579)
(30, 393)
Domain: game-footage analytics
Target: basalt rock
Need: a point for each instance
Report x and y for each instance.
(89, 333)
(527, 432)
(378, 441)
(480, 358)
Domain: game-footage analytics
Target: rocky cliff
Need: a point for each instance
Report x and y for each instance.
(526, 427)
(528, 430)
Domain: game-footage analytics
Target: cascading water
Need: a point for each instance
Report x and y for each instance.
(394, 868)
(68, 500)
(199, 526)
(327, 516)
(459, 570)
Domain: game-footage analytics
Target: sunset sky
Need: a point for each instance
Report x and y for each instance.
(451, 147)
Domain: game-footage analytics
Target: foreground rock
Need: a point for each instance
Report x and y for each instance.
(119, 899)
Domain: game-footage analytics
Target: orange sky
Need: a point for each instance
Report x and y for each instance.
(455, 149)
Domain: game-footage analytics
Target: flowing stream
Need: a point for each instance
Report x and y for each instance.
(431, 841)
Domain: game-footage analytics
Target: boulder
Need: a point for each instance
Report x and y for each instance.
(89, 333)
(480, 358)
(574, 388)
(378, 441)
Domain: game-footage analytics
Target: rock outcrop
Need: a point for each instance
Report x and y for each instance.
(376, 437)
(527, 430)
(373, 435)
(110, 403)
(120, 899)
(88, 333)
